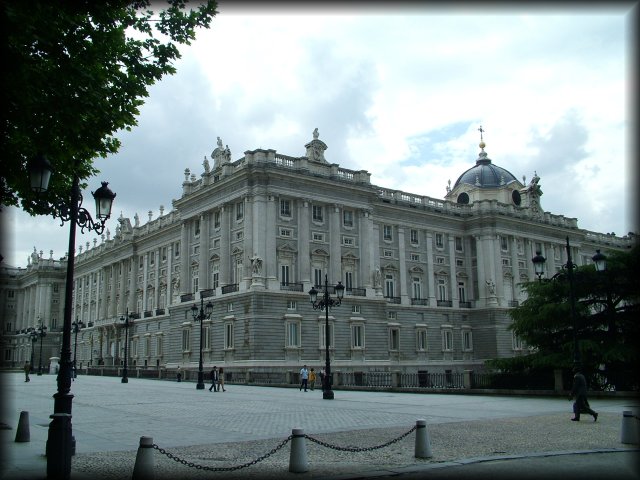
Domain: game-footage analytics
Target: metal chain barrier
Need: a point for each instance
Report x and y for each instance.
(281, 445)
(222, 469)
(357, 449)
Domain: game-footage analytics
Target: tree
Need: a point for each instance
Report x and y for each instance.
(608, 329)
(76, 73)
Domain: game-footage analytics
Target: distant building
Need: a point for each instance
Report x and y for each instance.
(429, 282)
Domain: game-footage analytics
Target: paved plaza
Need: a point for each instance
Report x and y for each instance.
(110, 417)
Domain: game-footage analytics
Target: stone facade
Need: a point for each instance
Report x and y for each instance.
(429, 282)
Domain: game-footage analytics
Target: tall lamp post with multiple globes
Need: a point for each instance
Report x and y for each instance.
(538, 263)
(324, 303)
(77, 326)
(34, 338)
(41, 331)
(60, 440)
(200, 315)
(125, 323)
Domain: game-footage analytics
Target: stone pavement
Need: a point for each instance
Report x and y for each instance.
(470, 434)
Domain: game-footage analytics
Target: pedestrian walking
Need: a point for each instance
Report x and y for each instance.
(312, 379)
(27, 370)
(221, 379)
(179, 375)
(322, 375)
(581, 405)
(214, 379)
(304, 376)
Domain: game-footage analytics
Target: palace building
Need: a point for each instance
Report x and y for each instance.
(428, 282)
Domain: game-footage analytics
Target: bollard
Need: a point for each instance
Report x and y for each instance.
(298, 456)
(144, 468)
(423, 445)
(630, 427)
(23, 435)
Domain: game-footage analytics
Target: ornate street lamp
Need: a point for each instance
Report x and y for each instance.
(125, 322)
(34, 338)
(77, 325)
(600, 261)
(60, 439)
(325, 303)
(200, 316)
(41, 331)
(538, 265)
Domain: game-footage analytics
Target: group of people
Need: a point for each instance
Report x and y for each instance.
(308, 378)
(217, 379)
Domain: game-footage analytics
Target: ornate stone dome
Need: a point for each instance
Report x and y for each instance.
(484, 174)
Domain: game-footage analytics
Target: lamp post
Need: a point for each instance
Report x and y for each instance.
(41, 331)
(125, 322)
(60, 439)
(77, 325)
(34, 338)
(325, 303)
(203, 314)
(538, 263)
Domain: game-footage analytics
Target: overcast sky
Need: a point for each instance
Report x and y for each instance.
(398, 92)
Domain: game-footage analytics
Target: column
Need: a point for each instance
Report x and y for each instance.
(226, 211)
(185, 284)
(480, 270)
(335, 250)
(404, 297)
(366, 250)
(270, 263)
(303, 273)
(430, 271)
(123, 288)
(453, 279)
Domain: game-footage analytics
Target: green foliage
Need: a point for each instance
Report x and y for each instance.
(607, 322)
(76, 73)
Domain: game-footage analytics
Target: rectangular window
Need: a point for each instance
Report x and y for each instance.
(414, 257)
(506, 262)
(467, 341)
(417, 287)
(323, 335)
(195, 284)
(440, 260)
(134, 347)
(355, 308)
(318, 237)
(348, 241)
(147, 346)
(176, 250)
(239, 235)
(228, 335)
(196, 249)
(392, 315)
(293, 334)
(348, 280)
(206, 337)
(286, 232)
(504, 243)
(357, 336)
(414, 237)
(347, 218)
(387, 233)
(317, 213)
(215, 280)
(389, 286)
(196, 228)
(216, 243)
(11, 293)
(164, 254)
(442, 289)
(216, 219)
(458, 242)
(159, 346)
(421, 339)
(230, 307)
(462, 292)
(439, 240)
(292, 305)
(239, 210)
(447, 340)
(516, 342)
(284, 274)
(394, 339)
(388, 254)
(317, 277)
(285, 208)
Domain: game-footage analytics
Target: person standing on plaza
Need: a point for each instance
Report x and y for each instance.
(581, 405)
(304, 376)
(221, 379)
(179, 374)
(312, 379)
(27, 369)
(214, 379)
(322, 374)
